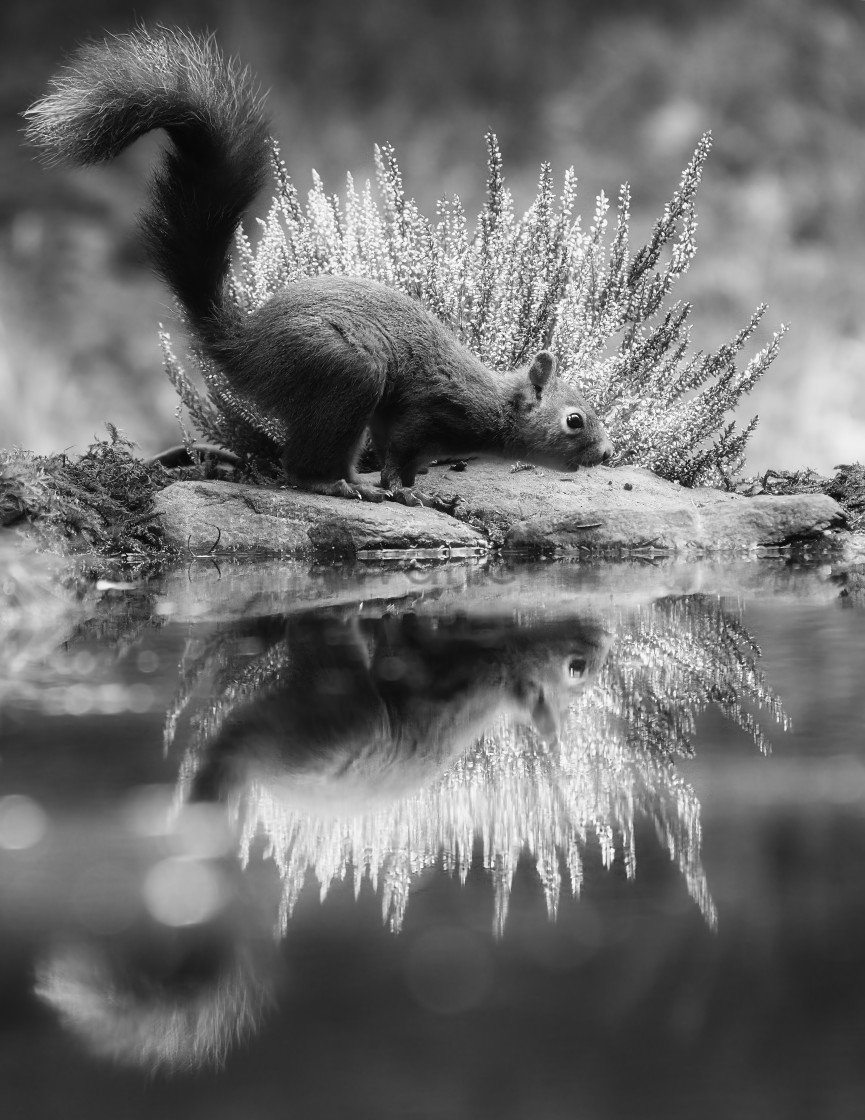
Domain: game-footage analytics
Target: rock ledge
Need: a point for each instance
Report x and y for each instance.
(604, 509)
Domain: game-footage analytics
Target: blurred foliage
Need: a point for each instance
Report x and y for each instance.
(621, 90)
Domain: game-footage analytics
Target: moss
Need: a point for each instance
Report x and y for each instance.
(846, 486)
(101, 501)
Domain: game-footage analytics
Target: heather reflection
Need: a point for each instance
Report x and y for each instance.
(382, 744)
(392, 744)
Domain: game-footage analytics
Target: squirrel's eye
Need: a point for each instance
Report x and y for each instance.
(575, 421)
(576, 667)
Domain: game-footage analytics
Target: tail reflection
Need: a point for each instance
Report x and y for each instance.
(158, 1008)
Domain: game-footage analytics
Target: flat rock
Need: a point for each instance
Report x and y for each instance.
(603, 510)
(626, 508)
(218, 517)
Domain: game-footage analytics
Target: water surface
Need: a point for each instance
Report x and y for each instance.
(509, 841)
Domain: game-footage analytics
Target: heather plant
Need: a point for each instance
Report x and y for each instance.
(511, 286)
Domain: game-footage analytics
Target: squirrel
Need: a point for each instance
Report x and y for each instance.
(330, 356)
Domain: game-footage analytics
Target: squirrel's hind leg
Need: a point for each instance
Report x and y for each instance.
(342, 488)
(349, 487)
(342, 481)
(323, 444)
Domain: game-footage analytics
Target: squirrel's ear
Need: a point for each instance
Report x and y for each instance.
(543, 368)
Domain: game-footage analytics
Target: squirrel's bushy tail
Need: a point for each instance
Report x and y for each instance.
(113, 92)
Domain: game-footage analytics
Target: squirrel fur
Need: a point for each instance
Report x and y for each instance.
(330, 356)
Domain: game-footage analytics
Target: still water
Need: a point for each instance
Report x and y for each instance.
(455, 841)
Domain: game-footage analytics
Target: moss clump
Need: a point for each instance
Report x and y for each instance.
(101, 501)
(846, 486)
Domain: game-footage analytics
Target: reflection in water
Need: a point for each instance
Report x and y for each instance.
(171, 963)
(382, 745)
(391, 745)
(179, 1009)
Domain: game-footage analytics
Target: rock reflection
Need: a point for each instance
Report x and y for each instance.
(389, 745)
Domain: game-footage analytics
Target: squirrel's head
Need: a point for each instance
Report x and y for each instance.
(554, 426)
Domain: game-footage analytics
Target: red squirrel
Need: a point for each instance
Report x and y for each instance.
(330, 356)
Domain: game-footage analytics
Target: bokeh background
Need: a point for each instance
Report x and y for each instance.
(620, 89)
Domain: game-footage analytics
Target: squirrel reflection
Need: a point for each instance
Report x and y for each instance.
(344, 715)
(368, 710)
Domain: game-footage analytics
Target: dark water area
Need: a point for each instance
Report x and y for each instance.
(454, 841)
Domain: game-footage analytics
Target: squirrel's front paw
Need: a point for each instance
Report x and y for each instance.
(408, 496)
(367, 492)
(341, 488)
